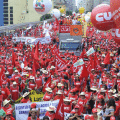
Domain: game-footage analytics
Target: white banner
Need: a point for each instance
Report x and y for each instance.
(22, 109)
(44, 40)
(90, 51)
(79, 62)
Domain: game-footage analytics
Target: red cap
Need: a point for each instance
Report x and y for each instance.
(100, 97)
(33, 105)
(87, 117)
(63, 80)
(4, 83)
(94, 110)
(77, 106)
(52, 86)
(8, 112)
(74, 90)
(112, 118)
(38, 72)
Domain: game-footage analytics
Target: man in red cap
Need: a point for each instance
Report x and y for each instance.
(5, 91)
(9, 115)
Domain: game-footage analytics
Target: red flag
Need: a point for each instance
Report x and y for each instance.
(47, 84)
(59, 115)
(33, 68)
(60, 63)
(84, 73)
(25, 62)
(107, 59)
(13, 58)
(83, 53)
(36, 55)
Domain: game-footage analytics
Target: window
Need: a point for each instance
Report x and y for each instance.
(11, 18)
(5, 7)
(5, 11)
(11, 8)
(5, 15)
(5, 22)
(5, 19)
(11, 15)
(5, 0)
(11, 22)
(11, 11)
(5, 4)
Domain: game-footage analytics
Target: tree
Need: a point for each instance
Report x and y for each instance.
(45, 17)
(68, 13)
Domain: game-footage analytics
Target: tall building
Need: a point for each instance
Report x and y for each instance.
(1, 13)
(19, 11)
(90, 4)
(70, 4)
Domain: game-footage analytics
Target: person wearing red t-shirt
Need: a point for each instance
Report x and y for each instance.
(5, 91)
(16, 77)
(14, 89)
(50, 112)
(1, 98)
(39, 82)
(58, 95)
(10, 68)
(32, 84)
(33, 115)
(82, 101)
(9, 115)
(48, 95)
(67, 105)
(7, 106)
(25, 98)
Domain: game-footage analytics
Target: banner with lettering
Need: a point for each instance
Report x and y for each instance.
(22, 109)
(60, 62)
(34, 97)
(64, 29)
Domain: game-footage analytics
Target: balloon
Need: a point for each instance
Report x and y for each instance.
(81, 10)
(87, 18)
(74, 13)
(115, 9)
(101, 17)
(56, 13)
(116, 34)
(62, 10)
(42, 6)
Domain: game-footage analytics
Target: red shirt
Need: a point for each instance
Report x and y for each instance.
(8, 108)
(16, 78)
(73, 97)
(51, 116)
(39, 81)
(67, 108)
(25, 100)
(10, 69)
(47, 96)
(14, 92)
(5, 93)
(1, 100)
(11, 118)
(32, 85)
(29, 118)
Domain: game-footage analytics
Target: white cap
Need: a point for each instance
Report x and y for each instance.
(5, 102)
(82, 93)
(51, 108)
(14, 83)
(48, 89)
(26, 94)
(16, 70)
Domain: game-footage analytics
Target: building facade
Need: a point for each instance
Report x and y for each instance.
(19, 11)
(1, 13)
(90, 4)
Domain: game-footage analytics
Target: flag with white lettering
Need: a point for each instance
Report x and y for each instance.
(59, 115)
(90, 51)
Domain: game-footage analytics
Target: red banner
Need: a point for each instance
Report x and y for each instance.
(64, 28)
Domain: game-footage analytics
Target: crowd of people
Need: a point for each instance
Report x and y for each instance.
(95, 91)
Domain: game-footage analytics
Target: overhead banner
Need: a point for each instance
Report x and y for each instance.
(64, 29)
(76, 30)
(22, 110)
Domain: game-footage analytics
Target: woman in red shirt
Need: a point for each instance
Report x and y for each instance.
(48, 95)
(32, 84)
(33, 115)
(67, 105)
(50, 112)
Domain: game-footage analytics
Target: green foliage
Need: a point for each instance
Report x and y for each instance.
(68, 13)
(45, 17)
